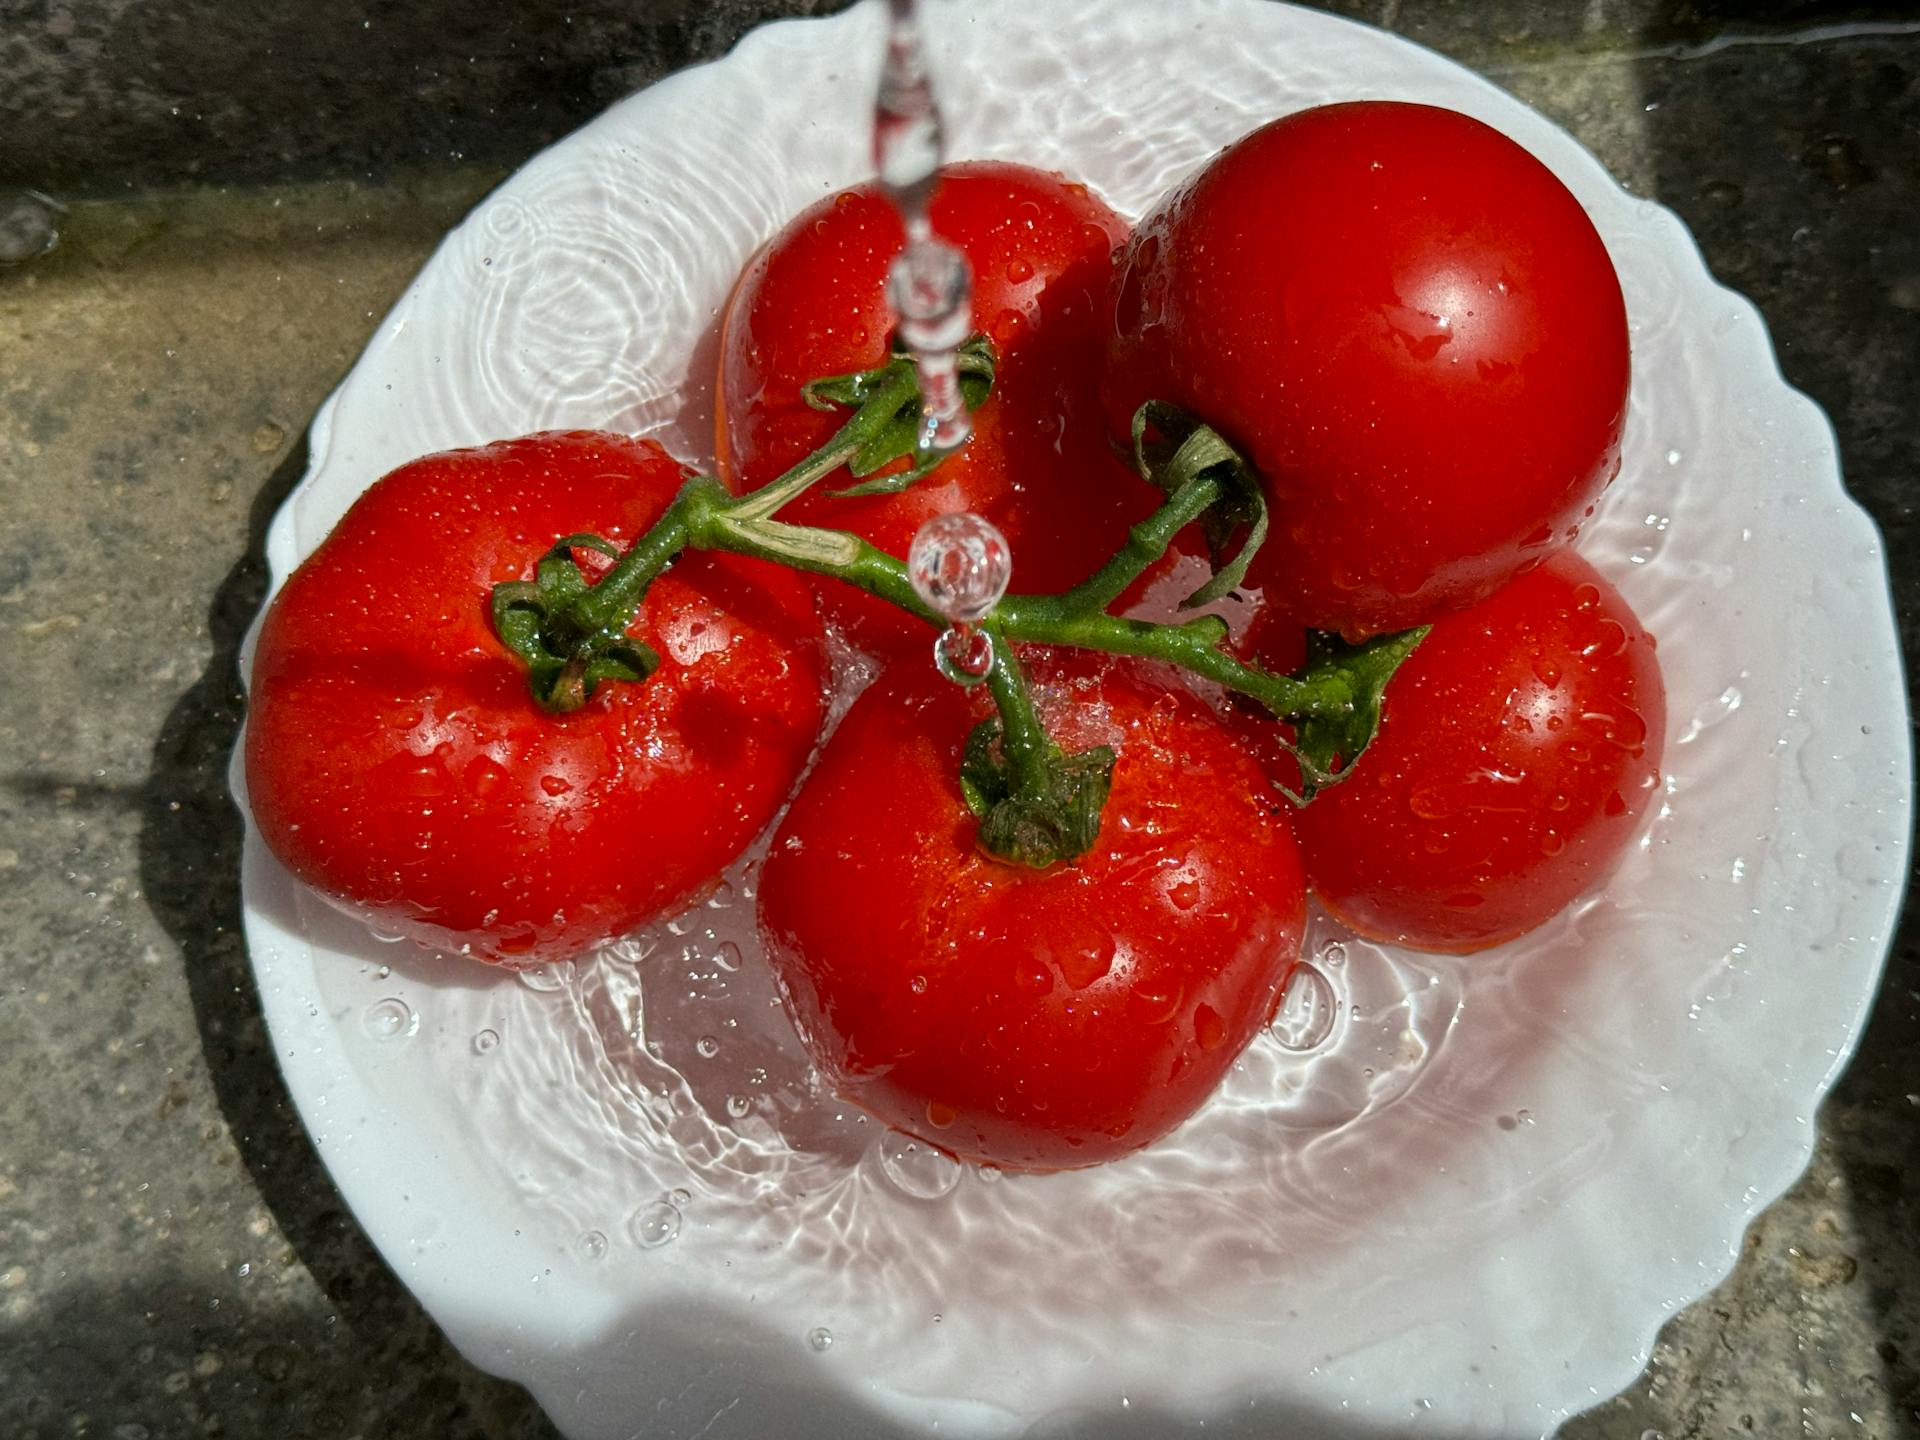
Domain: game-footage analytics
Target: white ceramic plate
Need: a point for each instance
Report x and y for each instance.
(1465, 1214)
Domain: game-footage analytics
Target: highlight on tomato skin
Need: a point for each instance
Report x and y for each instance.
(1411, 329)
(397, 762)
(1032, 1019)
(812, 303)
(1519, 748)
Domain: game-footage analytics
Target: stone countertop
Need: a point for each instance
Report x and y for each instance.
(173, 1258)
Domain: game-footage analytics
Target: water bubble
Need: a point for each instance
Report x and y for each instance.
(547, 978)
(727, 956)
(591, 1246)
(389, 1019)
(820, 1338)
(915, 1167)
(654, 1225)
(486, 1042)
(738, 1106)
(963, 654)
(708, 1046)
(681, 1197)
(1305, 1017)
(1333, 954)
(960, 565)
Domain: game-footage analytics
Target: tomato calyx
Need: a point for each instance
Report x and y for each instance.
(568, 652)
(1172, 449)
(1328, 744)
(1038, 805)
(891, 413)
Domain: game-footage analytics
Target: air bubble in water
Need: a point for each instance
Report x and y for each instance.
(738, 1106)
(708, 1046)
(654, 1225)
(389, 1019)
(486, 1042)
(591, 1246)
(1305, 1018)
(820, 1338)
(916, 1168)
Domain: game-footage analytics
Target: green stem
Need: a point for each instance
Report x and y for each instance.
(1023, 737)
(867, 422)
(1146, 543)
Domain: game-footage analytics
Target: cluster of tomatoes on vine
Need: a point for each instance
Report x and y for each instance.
(1372, 359)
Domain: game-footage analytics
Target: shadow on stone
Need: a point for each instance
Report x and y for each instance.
(190, 842)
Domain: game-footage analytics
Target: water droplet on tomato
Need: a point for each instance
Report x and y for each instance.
(1032, 977)
(1208, 1028)
(1184, 894)
(738, 1106)
(1307, 1010)
(485, 776)
(1552, 843)
(726, 956)
(820, 1338)
(1020, 271)
(654, 1225)
(390, 1019)
(708, 1046)
(941, 1116)
(918, 984)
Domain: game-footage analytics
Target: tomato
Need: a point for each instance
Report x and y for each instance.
(396, 761)
(1518, 748)
(1412, 331)
(1038, 465)
(1032, 1019)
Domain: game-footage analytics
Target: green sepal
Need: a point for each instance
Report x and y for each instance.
(539, 621)
(1036, 831)
(898, 435)
(1328, 746)
(1172, 447)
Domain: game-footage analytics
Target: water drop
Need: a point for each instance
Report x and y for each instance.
(916, 1168)
(963, 654)
(708, 1046)
(486, 1042)
(591, 1246)
(1333, 954)
(389, 1019)
(960, 565)
(726, 956)
(1020, 271)
(1307, 1009)
(918, 984)
(820, 1338)
(652, 1226)
(738, 1106)
(1032, 977)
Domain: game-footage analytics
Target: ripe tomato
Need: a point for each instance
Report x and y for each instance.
(1412, 331)
(396, 761)
(813, 304)
(1031, 1019)
(1518, 748)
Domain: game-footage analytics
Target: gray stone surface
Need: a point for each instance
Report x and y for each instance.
(173, 1259)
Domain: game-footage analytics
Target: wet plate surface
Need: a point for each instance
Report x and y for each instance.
(1456, 1196)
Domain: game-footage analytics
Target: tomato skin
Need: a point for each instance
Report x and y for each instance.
(396, 761)
(813, 303)
(1411, 329)
(1518, 748)
(1033, 1020)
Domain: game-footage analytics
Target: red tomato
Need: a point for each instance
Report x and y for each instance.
(1412, 331)
(813, 304)
(1034, 1020)
(397, 762)
(1518, 748)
